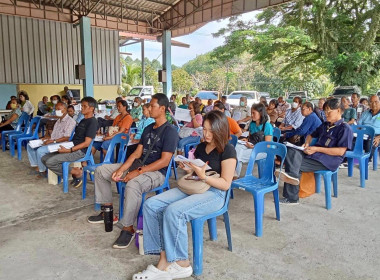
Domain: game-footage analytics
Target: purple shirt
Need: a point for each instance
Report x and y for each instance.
(338, 135)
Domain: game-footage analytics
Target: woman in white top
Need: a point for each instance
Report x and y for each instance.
(26, 105)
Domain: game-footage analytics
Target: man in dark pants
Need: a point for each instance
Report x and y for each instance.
(334, 137)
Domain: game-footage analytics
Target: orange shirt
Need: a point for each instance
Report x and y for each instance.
(234, 126)
(125, 122)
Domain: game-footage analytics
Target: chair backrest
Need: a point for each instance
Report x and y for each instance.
(23, 120)
(89, 148)
(233, 140)
(360, 131)
(276, 134)
(122, 139)
(35, 121)
(272, 150)
(168, 172)
(72, 135)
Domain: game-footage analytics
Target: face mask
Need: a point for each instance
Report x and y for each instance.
(242, 103)
(135, 104)
(55, 102)
(294, 105)
(13, 106)
(58, 113)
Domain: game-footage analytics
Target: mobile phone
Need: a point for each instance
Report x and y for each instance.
(192, 177)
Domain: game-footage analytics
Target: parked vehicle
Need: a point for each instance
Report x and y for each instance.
(265, 94)
(346, 91)
(253, 97)
(144, 92)
(205, 95)
(302, 94)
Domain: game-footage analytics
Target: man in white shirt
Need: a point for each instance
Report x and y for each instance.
(242, 113)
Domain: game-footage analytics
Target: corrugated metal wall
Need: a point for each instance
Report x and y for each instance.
(34, 51)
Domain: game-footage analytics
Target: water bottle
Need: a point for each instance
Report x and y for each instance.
(108, 218)
(141, 241)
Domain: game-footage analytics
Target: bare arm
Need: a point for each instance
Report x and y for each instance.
(10, 120)
(336, 151)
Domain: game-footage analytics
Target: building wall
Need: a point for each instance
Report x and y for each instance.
(34, 51)
(36, 92)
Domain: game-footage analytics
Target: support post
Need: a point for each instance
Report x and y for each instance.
(143, 61)
(167, 61)
(85, 36)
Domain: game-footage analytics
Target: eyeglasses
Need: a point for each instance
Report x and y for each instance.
(329, 111)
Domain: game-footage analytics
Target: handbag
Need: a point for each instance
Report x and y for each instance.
(295, 140)
(257, 136)
(185, 132)
(190, 184)
(115, 128)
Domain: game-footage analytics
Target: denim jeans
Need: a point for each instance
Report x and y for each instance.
(35, 156)
(166, 216)
(187, 140)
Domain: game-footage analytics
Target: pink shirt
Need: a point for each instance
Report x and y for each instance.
(198, 118)
(63, 128)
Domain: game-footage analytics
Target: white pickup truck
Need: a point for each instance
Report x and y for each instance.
(144, 92)
(253, 97)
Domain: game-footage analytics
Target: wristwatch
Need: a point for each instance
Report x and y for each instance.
(55, 141)
(140, 170)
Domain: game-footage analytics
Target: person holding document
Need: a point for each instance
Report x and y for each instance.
(334, 137)
(61, 133)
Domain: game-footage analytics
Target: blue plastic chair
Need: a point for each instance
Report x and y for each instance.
(358, 153)
(375, 157)
(327, 177)
(258, 187)
(276, 134)
(261, 162)
(27, 135)
(189, 146)
(65, 167)
(122, 139)
(197, 233)
(22, 123)
(233, 141)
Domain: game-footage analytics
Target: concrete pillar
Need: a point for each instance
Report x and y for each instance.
(143, 61)
(167, 61)
(85, 37)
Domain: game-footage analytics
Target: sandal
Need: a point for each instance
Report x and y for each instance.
(152, 273)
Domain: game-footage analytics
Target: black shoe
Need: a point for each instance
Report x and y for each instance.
(99, 219)
(124, 240)
(72, 181)
(77, 183)
(289, 202)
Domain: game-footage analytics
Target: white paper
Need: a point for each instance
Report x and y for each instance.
(182, 115)
(197, 162)
(99, 138)
(294, 146)
(36, 143)
(55, 147)
(245, 134)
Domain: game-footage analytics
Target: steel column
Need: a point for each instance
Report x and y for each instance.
(85, 36)
(167, 61)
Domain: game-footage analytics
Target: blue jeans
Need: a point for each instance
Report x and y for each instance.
(187, 140)
(166, 216)
(35, 156)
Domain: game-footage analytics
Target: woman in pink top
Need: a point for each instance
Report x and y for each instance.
(196, 122)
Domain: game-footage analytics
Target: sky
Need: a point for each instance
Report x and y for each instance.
(201, 41)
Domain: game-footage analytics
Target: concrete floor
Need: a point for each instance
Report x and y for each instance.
(44, 235)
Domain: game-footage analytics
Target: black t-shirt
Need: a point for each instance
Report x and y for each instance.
(167, 142)
(86, 128)
(214, 158)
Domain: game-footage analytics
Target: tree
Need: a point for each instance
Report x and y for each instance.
(182, 82)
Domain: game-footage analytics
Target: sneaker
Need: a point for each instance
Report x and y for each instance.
(289, 202)
(286, 178)
(343, 166)
(152, 273)
(178, 272)
(98, 219)
(125, 239)
(77, 183)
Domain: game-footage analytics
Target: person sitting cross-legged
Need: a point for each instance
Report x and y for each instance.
(84, 133)
(166, 215)
(61, 133)
(334, 137)
(155, 150)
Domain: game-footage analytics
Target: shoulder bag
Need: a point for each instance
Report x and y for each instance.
(191, 184)
(257, 136)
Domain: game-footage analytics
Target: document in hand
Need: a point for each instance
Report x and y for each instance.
(99, 138)
(55, 147)
(197, 162)
(245, 134)
(294, 146)
(182, 115)
(36, 143)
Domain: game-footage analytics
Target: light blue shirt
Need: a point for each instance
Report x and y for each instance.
(294, 119)
(268, 129)
(368, 119)
(143, 123)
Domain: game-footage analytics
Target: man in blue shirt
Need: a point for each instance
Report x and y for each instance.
(334, 138)
(372, 118)
(309, 124)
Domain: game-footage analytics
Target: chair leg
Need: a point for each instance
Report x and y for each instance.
(375, 158)
(366, 167)
(276, 197)
(335, 183)
(228, 229)
(317, 182)
(19, 150)
(65, 176)
(121, 202)
(175, 170)
(197, 233)
(232, 194)
(12, 144)
(212, 229)
(350, 169)
(362, 172)
(258, 200)
(327, 181)
(84, 184)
